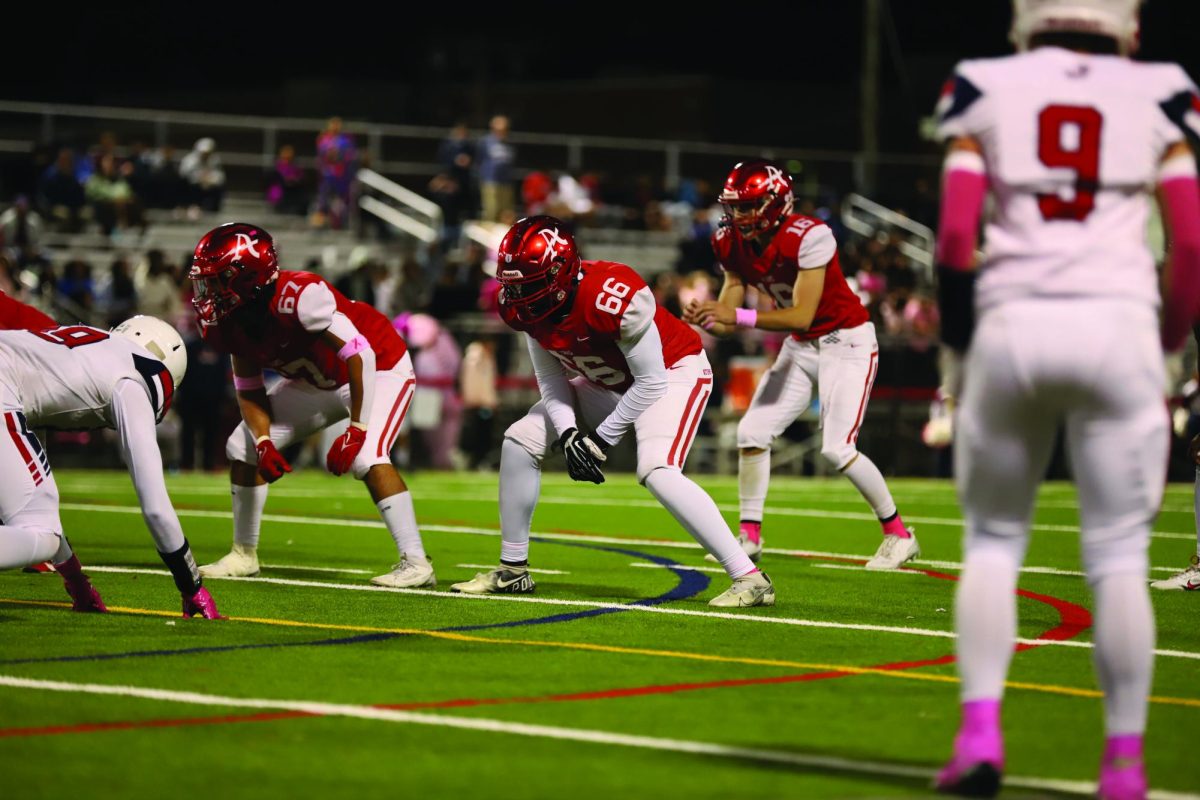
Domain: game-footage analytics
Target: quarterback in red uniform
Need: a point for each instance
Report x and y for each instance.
(338, 359)
(601, 344)
(793, 259)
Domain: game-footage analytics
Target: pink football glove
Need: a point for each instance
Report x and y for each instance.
(271, 463)
(344, 450)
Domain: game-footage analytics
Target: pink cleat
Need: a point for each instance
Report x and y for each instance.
(978, 761)
(201, 603)
(84, 596)
(1122, 772)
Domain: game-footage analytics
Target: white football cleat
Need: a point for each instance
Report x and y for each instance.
(752, 548)
(894, 551)
(240, 562)
(1188, 580)
(502, 580)
(754, 589)
(408, 574)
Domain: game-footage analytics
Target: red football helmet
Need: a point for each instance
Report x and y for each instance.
(756, 197)
(233, 264)
(536, 265)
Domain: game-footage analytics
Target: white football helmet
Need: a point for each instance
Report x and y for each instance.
(1116, 19)
(161, 339)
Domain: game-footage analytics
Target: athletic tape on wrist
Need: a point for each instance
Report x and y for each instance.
(745, 317)
(261, 439)
(353, 347)
(248, 384)
(362, 426)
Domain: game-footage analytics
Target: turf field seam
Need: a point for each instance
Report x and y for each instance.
(582, 735)
(732, 508)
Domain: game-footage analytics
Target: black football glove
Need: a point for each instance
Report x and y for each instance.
(584, 454)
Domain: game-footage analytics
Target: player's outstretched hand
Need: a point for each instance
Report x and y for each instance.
(345, 450)
(691, 314)
(271, 463)
(709, 313)
(584, 454)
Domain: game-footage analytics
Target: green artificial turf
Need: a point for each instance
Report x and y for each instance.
(684, 678)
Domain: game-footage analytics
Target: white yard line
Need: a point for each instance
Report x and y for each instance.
(302, 568)
(583, 735)
(648, 565)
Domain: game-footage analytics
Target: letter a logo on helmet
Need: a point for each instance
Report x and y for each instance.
(244, 242)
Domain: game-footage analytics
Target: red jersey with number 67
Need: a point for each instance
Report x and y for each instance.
(610, 301)
(1072, 144)
(800, 242)
(288, 338)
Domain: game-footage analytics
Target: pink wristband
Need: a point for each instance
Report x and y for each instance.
(353, 347)
(745, 317)
(248, 384)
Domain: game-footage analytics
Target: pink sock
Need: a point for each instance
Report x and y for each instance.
(1124, 747)
(980, 716)
(894, 526)
(752, 530)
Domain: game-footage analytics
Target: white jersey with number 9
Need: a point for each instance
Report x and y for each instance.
(1072, 144)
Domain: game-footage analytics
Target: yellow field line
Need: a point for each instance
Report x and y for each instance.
(1068, 691)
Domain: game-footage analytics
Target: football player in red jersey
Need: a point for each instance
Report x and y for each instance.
(338, 358)
(832, 350)
(634, 366)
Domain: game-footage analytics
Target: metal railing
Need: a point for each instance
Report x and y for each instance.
(866, 218)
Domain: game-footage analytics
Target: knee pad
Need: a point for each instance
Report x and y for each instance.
(238, 446)
(523, 442)
(840, 456)
(645, 470)
(1116, 552)
(754, 430)
(1009, 548)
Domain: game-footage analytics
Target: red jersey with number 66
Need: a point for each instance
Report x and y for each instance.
(611, 303)
(799, 243)
(288, 338)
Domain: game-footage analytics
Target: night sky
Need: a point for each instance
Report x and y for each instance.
(743, 66)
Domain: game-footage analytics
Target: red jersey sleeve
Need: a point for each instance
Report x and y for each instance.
(17, 316)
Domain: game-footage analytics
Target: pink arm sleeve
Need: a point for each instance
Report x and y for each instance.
(1181, 208)
(964, 185)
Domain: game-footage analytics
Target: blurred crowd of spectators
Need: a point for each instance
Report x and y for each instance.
(441, 296)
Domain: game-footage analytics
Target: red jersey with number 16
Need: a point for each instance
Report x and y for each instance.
(611, 303)
(800, 242)
(288, 339)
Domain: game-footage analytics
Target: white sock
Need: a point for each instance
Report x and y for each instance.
(754, 475)
(698, 514)
(401, 520)
(1196, 501)
(869, 481)
(520, 485)
(1124, 652)
(248, 503)
(985, 616)
(20, 547)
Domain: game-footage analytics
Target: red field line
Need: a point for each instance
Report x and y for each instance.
(1073, 620)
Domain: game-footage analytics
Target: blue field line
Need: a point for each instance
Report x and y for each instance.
(690, 583)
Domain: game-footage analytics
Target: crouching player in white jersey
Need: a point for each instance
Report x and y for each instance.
(832, 349)
(636, 367)
(79, 377)
(1069, 137)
